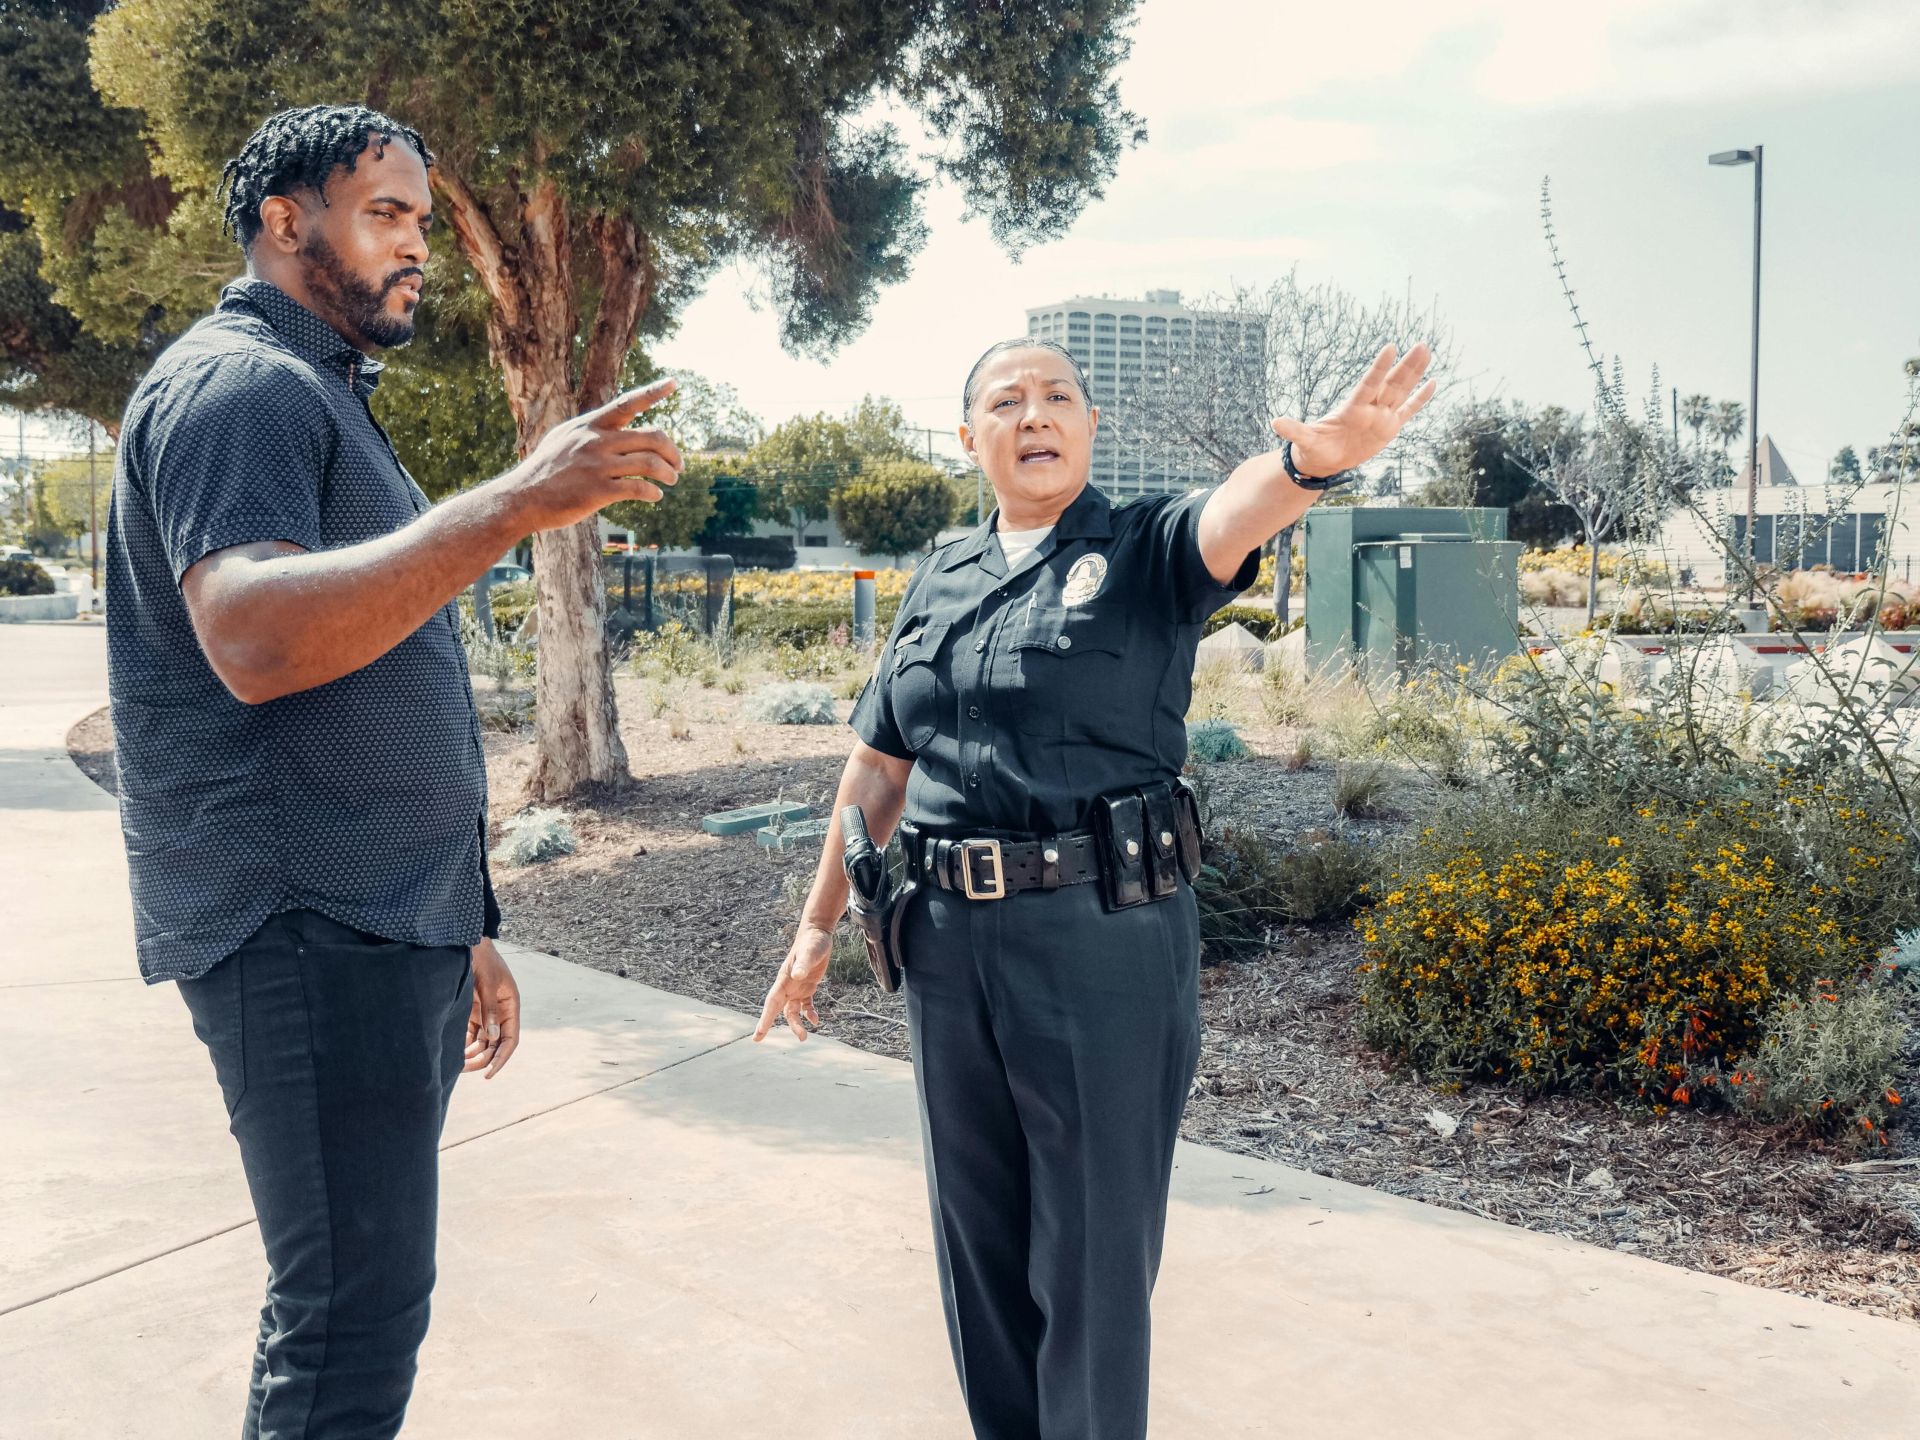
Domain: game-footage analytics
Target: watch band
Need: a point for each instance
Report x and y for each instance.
(1305, 482)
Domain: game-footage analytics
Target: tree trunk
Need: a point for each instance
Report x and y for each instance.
(531, 331)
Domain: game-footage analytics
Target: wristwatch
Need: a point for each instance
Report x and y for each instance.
(1308, 482)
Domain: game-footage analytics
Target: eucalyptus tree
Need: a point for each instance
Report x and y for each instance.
(595, 163)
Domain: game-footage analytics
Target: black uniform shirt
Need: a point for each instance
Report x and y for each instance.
(1021, 697)
(364, 798)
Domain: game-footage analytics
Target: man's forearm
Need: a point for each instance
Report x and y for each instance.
(1252, 505)
(274, 620)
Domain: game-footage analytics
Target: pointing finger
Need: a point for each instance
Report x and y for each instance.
(618, 411)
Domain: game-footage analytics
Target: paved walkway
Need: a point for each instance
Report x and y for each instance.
(653, 1229)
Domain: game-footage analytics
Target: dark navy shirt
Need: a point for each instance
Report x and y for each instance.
(1021, 697)
(364, 798)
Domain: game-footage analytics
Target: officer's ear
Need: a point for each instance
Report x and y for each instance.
(966, 443)
(1093, 420)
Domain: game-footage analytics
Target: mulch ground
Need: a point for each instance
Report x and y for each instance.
(1282, 1073)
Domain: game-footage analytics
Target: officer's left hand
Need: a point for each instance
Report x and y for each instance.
(800, 975)
(1363, 424)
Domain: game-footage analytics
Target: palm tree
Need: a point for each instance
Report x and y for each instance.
(1697, 411)
(1729, 419)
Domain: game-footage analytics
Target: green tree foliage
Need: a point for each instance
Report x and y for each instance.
(799, 466)
(596, 163)
(1478, 460)
(1845, 467)
(893, 507)
(69, 165)
(70, 497)
(878, 429)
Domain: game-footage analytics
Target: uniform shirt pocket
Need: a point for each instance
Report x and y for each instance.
(1067, 665)
(913, 689)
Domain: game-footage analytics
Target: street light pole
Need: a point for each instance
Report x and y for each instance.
(1755, 157)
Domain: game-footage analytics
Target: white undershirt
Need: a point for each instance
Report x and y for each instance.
(1016, 545)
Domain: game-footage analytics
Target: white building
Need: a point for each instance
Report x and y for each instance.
(1124, 346)
(1795, 526)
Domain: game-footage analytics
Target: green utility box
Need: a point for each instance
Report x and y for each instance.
(1397, 590)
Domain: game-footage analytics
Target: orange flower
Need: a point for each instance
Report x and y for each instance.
(1683, 1095)
(1893, 1097)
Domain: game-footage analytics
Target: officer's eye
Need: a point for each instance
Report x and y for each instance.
(1007, 401)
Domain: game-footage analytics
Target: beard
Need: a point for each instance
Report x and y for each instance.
(359, 308)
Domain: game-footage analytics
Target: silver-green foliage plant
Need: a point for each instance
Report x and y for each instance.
(1212, 741)
(1827, 1061)
(534, 836)
(793, 702)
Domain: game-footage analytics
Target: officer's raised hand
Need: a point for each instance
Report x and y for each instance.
(1363, 424)
(1270, 492)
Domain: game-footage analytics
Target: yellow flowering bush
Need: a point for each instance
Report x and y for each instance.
(807, 587)
(1637, 948)
(1627, 567)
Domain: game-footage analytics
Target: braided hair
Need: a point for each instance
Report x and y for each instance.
(1022, 342)
(300, 150)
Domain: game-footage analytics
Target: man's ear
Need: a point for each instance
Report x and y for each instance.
(280, 222)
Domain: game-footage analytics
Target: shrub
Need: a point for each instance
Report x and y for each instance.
(1258, 619)
(1826, 1061)
(804, 622)
(1410, 724)
(23, 577)
(791, 703)
(1249, 887)
(533, 836)
(1637, 946)
(1209, 742)
(511, 604)
(673, 649)
(1360, 791)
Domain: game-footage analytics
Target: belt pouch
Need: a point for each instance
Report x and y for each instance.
(1120, 821)
(1163, 863)
(1186, 829)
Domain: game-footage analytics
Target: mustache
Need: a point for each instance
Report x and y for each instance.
(411, 272)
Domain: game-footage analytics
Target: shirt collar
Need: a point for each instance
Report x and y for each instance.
(304, 332)
(1089, 517)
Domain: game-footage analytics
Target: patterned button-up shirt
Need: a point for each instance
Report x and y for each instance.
(364, 798)
(1023, 695)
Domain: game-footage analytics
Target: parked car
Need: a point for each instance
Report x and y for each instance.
(508, 574)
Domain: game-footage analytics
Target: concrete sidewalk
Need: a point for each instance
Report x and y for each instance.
(653, 1228)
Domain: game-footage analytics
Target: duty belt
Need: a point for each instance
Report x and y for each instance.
(982, 869)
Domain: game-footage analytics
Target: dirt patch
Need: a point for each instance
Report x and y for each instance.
(90, 746)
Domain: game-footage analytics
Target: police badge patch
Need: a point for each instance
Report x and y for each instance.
(1084, 580)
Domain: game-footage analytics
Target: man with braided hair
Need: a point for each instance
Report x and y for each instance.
(301, 779)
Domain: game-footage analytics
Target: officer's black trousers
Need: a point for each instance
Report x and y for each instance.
(1053, 1045)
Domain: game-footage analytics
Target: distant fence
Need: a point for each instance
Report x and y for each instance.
(646, 591)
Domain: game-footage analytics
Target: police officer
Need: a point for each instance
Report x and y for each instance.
(1028, 717)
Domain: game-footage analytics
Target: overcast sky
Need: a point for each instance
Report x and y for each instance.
(1401, 143)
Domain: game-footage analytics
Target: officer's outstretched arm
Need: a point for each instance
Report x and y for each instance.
(877, 783)
(1259, 499)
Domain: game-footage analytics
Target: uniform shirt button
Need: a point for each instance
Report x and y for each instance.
(974, 781)
(1065, 642)
(978, 646)
(973, 712)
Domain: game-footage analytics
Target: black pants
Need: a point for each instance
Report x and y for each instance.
(1053, 1047)
(337, 1053)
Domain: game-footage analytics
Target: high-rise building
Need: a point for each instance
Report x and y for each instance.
(1126, 346)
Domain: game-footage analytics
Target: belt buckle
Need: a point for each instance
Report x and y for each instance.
(969, 849)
